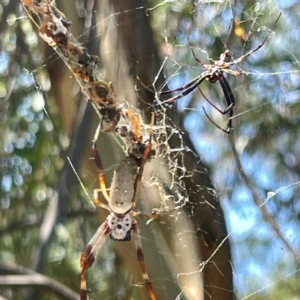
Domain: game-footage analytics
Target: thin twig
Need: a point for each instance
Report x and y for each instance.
(259, 201)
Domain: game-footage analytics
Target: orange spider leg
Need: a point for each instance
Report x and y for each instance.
(147, 152)
(135, 123)
(99, 164)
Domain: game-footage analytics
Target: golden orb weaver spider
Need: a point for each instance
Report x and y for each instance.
(124, 193)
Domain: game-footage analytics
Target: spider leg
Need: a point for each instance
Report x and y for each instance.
(135, 124)
(256, 48)
(147, 153)
(141, 260)
(89, 254)
(229, 99)
(187, 88)
(99, 163)
(230, 104)
(226, 88)
(196, 58)
(223, 112)
(183, 88)
(225, 130)
(97, 200)
(228, 93)
(238, 72)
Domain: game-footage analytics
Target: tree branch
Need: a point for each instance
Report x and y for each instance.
(31, 278)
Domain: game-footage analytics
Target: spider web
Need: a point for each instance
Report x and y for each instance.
(264, 142)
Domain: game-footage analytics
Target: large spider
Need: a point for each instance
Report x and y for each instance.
(124, 193)
(213, 73)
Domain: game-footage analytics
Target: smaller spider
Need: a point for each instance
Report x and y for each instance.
(213, 73)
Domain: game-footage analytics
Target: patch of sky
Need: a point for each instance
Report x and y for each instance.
(6, 183)
(4, 59)
(25, 79)
(205, 145)
(285, 4)
(18, 179)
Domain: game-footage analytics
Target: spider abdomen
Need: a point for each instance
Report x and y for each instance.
(122, 188)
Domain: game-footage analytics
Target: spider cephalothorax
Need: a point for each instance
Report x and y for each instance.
(120, 226)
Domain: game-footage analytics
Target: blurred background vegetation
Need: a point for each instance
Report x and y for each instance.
(46, 216)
